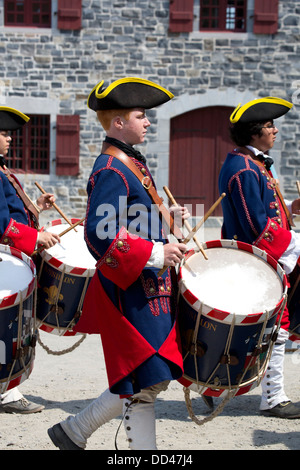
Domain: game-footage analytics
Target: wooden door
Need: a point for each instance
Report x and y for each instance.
(199, 144)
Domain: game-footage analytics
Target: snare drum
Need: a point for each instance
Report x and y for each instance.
(17, 317)
(64, 272)
(228, 307)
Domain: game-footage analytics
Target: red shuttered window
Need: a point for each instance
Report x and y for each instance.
(35, 13)
(224, 15)
(67, 145)
(220, 15)
(30, 148)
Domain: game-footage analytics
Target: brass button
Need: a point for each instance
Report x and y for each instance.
(277, 212)
(151, 290)
(279, 221)
(120, 244)
(235, 237)
(169, 289)
(143, 171)
(266, 234)
(108, 260)
(162, 289)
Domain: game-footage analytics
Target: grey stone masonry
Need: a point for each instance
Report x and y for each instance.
(52, 71)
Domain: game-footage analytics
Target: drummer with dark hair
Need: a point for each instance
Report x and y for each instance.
(255, 212)
(18, 228)
(127, 302)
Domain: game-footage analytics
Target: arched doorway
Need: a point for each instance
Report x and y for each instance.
(199, 143)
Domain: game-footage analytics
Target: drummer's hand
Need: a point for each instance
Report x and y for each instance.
(296, 206)
(173, 253)
(48, 239)
(179, 214)
(45, 201)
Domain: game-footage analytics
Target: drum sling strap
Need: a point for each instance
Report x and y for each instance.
(147, 185)
(248, 152)
(29, 205)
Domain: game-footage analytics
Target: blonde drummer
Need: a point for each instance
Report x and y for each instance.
(18, 227)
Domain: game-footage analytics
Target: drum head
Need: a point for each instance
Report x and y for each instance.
(72, 250)
(232, 280)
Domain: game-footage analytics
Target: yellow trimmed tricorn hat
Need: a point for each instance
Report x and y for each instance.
(11, 119)
(127, 93)
(263, 109)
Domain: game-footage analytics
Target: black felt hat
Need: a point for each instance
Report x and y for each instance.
(11, 119)
(127, 93)
(263, 109)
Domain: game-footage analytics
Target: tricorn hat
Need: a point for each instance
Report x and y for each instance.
(263, 109)
(130, 92)
(11, 119)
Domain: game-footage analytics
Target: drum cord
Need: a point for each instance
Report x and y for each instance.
(216, 412)
(63, 351)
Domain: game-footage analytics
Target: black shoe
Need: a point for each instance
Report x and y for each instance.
(286, 410)
(208, 400)
(60, 438)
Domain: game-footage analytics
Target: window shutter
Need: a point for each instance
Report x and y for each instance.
(69, 14)
(265, 17)
(181, 16)
(67, 145)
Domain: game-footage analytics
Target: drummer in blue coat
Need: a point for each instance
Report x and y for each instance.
(127, 302)
(255, 212)
(18, 228)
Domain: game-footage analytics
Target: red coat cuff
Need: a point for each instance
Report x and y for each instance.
(274, 239)
(125, 259)
(20, 236)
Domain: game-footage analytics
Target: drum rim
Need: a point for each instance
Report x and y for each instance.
(222, 315)
(59, 265)
(14, 299)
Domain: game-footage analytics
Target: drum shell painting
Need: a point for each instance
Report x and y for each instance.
(58, 317)
(226, 349)
(64, 273)
(211, 343)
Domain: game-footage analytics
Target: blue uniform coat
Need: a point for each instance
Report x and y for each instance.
(132, 308)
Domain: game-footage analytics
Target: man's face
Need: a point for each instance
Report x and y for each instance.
(135, 127)
(266, 140)
(5, 140)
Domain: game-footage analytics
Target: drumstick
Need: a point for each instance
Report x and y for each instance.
(54, 205)
(186, 223)
(201, 222)
(298, 186)
(197, 226)
(72, 226)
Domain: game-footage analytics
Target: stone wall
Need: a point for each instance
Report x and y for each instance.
(51, 71)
